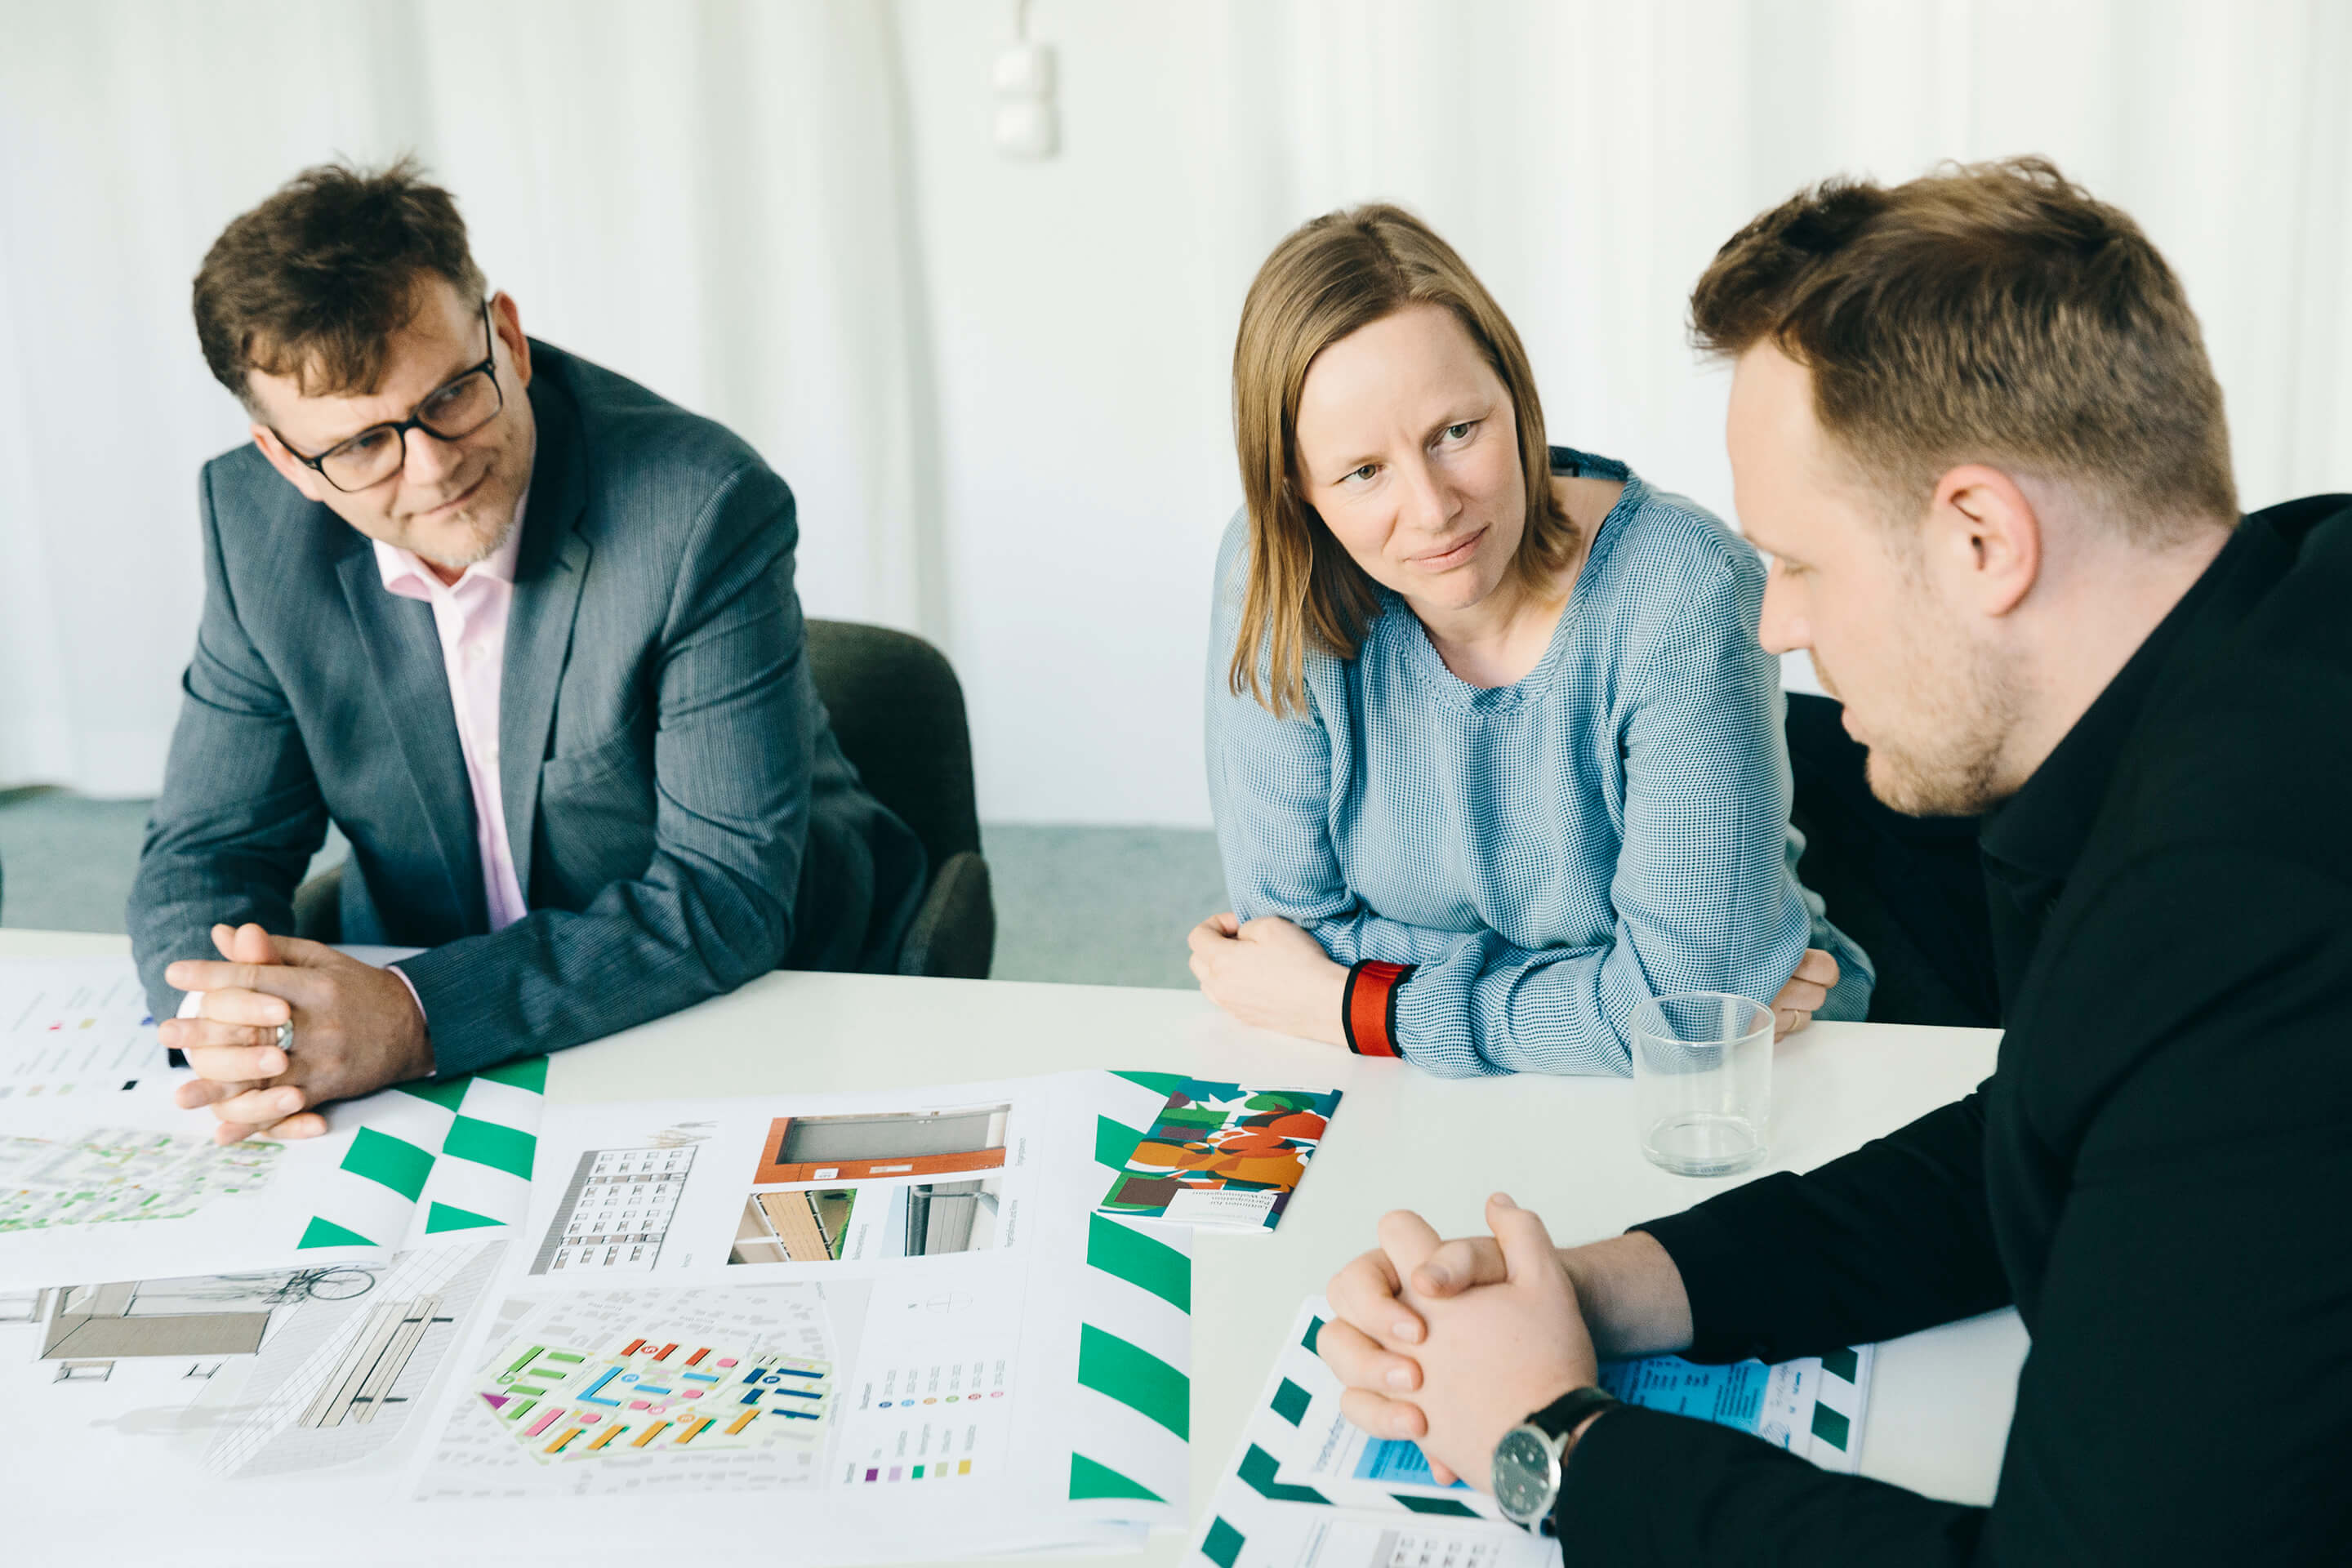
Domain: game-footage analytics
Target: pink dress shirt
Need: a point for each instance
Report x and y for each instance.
(471, 616)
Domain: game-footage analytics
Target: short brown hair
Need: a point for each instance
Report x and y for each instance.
(1987, 312)
(315, 280)
(1328, 278)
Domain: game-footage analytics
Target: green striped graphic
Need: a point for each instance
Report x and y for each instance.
(394, 1162)
(449, 1216)
(1829, 1426)
(1314, 1329)
(1139, 1260)
(1257, 1472)
(1290, 1402)
(529, 1072)
(1841, 1364)
(1222, 1544)
(326, 1233)
(1113, 1142)
(444, 1092)
(1136, 1378)
(1157, 1082)
(487, 1143)
(1090, 1480)
(1437, 1505)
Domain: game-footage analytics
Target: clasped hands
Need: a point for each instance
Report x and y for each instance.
(1451, 1344)
(356, 1030)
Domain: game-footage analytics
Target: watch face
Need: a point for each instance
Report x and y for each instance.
(1523, 1483)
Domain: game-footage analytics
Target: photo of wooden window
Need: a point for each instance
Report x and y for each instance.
(903, 1143)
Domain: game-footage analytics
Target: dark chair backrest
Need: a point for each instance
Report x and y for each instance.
(898, 710)
(1909, 889)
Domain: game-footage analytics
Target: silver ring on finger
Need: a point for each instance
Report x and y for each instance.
(285, 1041)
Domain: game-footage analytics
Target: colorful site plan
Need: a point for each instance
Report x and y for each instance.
(1226, 1156)
(583, 1403)
(123, 1175)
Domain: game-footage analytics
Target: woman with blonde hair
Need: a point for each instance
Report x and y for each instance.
(1493, 751)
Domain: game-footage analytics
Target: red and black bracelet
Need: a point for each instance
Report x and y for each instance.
(1368, 1006)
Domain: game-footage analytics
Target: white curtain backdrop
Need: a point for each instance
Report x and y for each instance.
(999, 387)
(712, 199)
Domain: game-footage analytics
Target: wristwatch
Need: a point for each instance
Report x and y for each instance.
(1526, 1461)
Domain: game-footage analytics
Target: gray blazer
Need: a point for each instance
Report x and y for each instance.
(681, 817)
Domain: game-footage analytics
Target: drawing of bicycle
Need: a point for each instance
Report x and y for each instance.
(336, 1283)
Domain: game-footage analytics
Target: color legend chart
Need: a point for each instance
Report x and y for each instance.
(927, 1420)
(74, 1026)
(937, 1470)
(652, 1393)
(615, 1212)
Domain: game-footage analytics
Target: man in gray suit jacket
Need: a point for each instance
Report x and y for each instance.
(527, 634)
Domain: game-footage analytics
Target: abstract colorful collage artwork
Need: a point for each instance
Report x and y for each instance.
(1222, 1154)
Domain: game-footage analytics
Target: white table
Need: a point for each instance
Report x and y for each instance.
(1941, 1401)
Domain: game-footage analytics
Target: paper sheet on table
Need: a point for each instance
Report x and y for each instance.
(251, 1373)
(1255, 1520)
(134, 1188)
(898, 1310)
(1813, 1407)
(75, 1026)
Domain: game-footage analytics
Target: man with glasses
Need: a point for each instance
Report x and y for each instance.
(527, 634)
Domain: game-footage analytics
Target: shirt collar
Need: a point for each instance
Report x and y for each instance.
(2040, 829)
(409, 577)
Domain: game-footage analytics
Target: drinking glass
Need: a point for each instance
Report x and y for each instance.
(1703, 1081)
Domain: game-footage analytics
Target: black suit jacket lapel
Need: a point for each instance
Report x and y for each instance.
(403, 656)
(550, 570)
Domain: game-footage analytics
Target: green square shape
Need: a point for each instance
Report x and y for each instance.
(1257, 1470)
(1136, 1378)
(1222, 1544)
(1313, 1333)
(1114, 1142)
(1140, 1261)
(1290, 1402)
(487, 1143)
(449, 1094)
(1161, 1083)
(1831, 1427)
(524, 1072)
(1436, 1505)
(1089, 1478)
(326, 1233)
(1843, 1363)
(394, 1162)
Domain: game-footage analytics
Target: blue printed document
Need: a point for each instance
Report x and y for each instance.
(1812, 1408)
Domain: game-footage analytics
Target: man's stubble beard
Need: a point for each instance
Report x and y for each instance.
(1950, 759)
(486, 532)
(485, 541)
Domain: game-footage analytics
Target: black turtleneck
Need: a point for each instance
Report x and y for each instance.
(2157, 1175)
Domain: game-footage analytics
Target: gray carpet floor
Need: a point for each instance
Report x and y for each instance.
(1100, 906)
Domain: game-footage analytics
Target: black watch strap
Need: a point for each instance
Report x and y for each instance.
(1564, 1415)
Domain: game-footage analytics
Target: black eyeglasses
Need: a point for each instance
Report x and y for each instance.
(453, 411)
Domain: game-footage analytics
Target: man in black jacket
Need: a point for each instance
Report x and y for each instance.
(1973, 421)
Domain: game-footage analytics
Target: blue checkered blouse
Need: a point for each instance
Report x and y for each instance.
(1550, 854)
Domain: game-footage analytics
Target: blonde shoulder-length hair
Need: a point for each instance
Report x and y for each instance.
(1329, 277)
